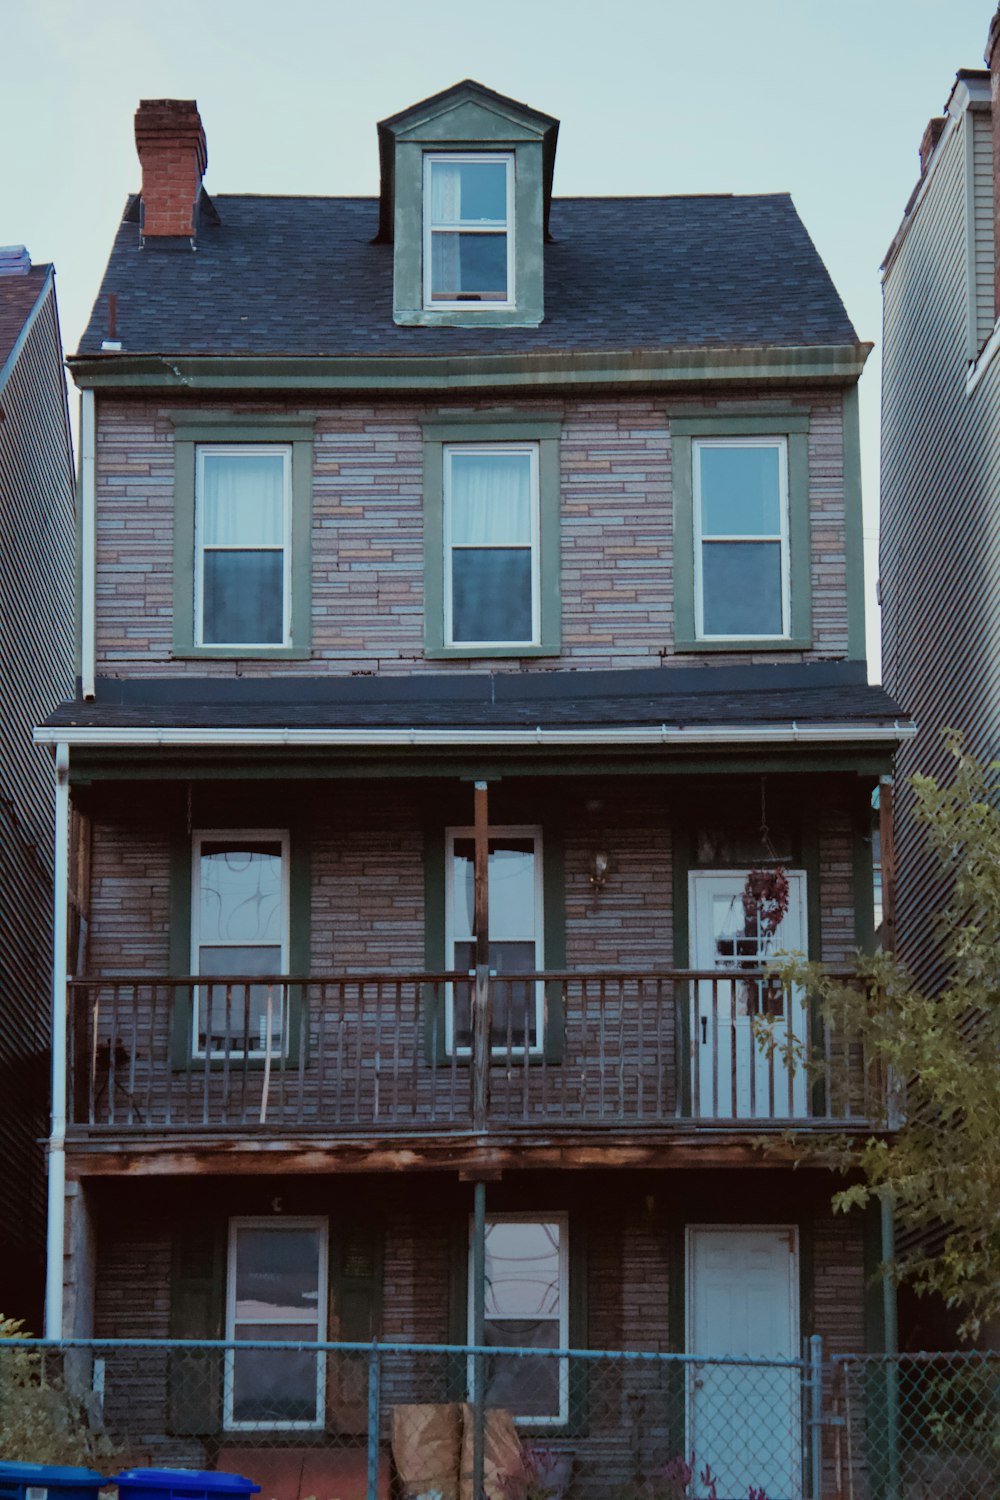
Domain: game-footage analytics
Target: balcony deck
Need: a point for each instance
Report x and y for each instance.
(588, 1056)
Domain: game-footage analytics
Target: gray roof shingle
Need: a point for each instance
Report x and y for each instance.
(811, 693)
(304, 277)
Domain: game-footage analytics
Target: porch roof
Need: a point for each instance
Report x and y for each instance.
(818, 701)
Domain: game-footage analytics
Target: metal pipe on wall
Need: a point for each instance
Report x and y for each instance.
(54, 1270)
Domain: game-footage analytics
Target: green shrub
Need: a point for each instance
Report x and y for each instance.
(42, 1421)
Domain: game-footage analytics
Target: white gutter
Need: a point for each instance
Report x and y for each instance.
(57, 1138)
(88, 544)
(605, 738)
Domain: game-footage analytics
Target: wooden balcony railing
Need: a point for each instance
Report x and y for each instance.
(388, 1054)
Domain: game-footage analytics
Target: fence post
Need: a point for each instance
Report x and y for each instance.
(374, 1418)
(816, 1414)
(478, 1338)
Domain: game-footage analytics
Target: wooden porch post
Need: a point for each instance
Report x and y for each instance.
(481, 1017)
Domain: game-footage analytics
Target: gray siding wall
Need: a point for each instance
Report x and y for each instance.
(36, 651)
(981, 224)
(940, 548)
(367, 538)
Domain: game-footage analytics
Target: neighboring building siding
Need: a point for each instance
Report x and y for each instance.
(36, 485)
(367, 539)
(940, 549)
(981, 220)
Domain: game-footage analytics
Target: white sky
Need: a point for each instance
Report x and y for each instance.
(826, 99)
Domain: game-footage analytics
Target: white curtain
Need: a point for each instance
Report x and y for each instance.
(242, 500)
(446, 192)
(491, 499)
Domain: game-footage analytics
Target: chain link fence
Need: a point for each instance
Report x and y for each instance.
(398, 1422)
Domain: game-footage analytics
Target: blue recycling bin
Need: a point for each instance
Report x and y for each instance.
(181, 1484)
(48, 1482)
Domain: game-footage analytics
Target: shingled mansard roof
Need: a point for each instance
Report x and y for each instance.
(810, 694)
(305, 277)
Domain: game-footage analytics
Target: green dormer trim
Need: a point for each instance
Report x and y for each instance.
(467, 121)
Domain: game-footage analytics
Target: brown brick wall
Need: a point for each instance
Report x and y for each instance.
(367, 539)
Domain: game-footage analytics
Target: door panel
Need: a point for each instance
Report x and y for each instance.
(744, 1423)
(734, 1073)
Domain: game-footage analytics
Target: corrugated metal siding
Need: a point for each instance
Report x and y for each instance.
(982, 223)
(940, 550)
(36, 660)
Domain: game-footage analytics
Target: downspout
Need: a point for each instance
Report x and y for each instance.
(57, 1138)
(88, 544)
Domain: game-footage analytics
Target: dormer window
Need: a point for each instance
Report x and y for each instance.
(468, 229)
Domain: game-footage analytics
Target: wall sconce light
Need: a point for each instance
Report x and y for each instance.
(599, 866)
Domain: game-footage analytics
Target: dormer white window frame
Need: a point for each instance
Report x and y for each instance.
(492, 227)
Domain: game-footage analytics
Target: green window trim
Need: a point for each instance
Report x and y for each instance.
(182, 1057)
(483, 133)
(554, 940)
(794, 428)
(495, 428)
(577, 1310)
(194, 428)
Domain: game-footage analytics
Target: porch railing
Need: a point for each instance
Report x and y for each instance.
(387, 1053)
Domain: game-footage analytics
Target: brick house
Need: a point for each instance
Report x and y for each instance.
(36, 557)
(472, 649)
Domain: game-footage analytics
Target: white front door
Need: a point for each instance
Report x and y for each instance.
(744, 1423)
(736, 1074)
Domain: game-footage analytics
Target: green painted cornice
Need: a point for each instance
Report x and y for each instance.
(812, 364)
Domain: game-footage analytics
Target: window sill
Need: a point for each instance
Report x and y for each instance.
(764, 643)
(244, 653)
(442, 653)
(481, 317)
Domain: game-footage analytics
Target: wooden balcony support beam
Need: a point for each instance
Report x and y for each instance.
(469, 1159)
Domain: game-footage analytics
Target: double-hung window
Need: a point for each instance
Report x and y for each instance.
(526, 1306)
(277, 1290)
(742, 551)
(515, 937)
(492, 564)
(741, 544)
(243, 513)
(468, 229)
(239, 928)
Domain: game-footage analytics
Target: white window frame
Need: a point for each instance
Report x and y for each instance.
(470, 304)
(698, 445)
(562, 1219)
(229, 1382)
(230, 450)
(505, 450)
(233, 836)
(452, 835)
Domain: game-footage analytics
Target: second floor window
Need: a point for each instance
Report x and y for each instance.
(242, 545)
(468, 229)
(741, 538)
(516, 925)
(239, 908)
(491, 544)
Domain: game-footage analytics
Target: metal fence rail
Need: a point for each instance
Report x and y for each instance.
(398, 1421)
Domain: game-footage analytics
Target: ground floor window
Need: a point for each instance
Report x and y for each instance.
(526, 1306)
(277, 1289)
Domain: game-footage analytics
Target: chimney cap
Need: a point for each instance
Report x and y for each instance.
(165, 121)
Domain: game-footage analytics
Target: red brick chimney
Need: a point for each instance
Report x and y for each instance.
(170, 141)
(992, 57)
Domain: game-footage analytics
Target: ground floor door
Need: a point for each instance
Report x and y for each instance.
(737, 1071)
(744, 1423)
